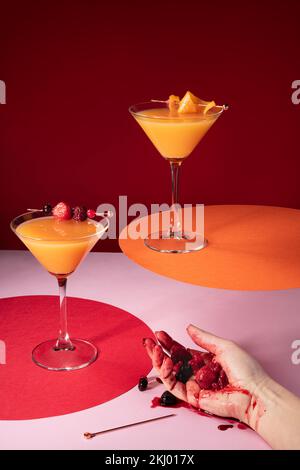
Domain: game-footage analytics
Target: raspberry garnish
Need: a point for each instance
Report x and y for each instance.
(62, 211)
(91, 213)
(79, 213)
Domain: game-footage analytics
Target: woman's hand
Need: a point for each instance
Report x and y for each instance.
(240, 399)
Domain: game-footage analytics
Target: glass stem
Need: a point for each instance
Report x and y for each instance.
(175, 229)
(63, 340)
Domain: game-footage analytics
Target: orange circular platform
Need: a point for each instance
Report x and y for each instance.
(249, 248)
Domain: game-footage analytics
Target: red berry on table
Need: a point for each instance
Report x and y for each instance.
(91, 213)
(62, 211)
(79, 213)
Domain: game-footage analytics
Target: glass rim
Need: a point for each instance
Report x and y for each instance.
(37, 212)
(185, 117)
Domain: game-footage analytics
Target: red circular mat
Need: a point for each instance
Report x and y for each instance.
(28, 391)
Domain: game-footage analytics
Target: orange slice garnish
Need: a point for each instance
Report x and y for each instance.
(209, 105)
(190, 104)
(173, 103)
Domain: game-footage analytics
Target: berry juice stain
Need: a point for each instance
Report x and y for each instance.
(156, 401)
(242, 426)
(224, 427)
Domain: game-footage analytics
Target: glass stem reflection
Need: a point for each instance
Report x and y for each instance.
(63, 340)
(175, 229)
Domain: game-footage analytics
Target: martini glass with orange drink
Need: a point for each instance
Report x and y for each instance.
(60, 239)
(175, 127)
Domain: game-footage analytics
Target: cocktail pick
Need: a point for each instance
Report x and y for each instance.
(91, 435)
(108, 214)
(224, 106)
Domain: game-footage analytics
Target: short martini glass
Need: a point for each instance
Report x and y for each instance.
(60, 246)
(175, 136)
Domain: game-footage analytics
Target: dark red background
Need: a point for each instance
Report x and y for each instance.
(72, 68)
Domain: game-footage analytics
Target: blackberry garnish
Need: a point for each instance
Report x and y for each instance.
(79, 213)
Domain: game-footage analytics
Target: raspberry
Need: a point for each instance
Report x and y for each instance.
(196, 362)
(143, 384)
(62, 211)
(179, 353)
(185, 373)
(215, 366)
(205, 377)
(79, 213)
(167, 399)
(91, 213)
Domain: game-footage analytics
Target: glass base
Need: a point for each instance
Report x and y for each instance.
(83, 354)
(182, 243)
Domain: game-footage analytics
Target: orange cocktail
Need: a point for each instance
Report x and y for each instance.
(175, 127)
(59, 238)
(174, 136)
(59, 245)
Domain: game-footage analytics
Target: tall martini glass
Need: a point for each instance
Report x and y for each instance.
(175, 136)
(60, 246)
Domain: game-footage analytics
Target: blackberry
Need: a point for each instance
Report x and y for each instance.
(184, 373)
(143, 384)
(167, 399)
(79, 213)
(47, 208)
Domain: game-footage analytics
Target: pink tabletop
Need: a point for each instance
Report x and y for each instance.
(265, 323)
